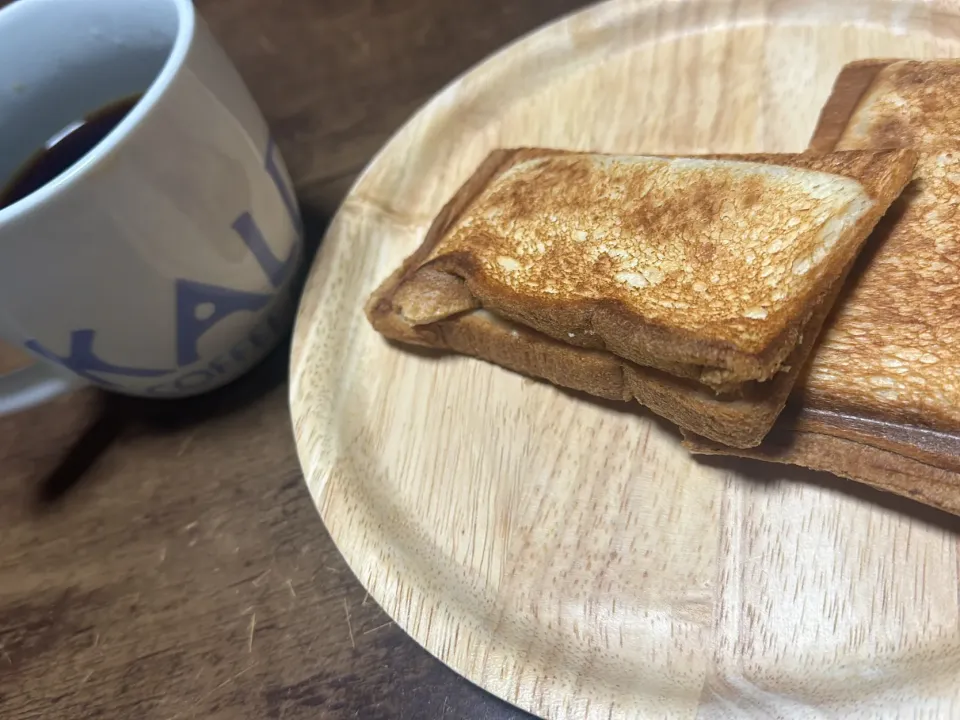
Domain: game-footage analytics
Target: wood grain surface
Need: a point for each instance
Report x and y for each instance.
(167, 562)
(567, 554)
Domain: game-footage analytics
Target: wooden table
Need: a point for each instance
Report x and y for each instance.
(161, 562)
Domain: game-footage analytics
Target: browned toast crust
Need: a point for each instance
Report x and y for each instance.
(848, 89)
(880, 468)
(737, 421)
(419, 304)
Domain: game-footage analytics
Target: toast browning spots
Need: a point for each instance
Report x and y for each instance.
(909, 103)
(894, 348)
(711, 251)
(893, 351)
(573, 310)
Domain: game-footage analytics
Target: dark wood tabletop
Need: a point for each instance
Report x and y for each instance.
(166, 562)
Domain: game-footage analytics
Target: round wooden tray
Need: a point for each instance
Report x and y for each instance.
(568, 555)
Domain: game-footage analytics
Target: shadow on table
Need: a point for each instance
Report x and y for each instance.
(120, 414)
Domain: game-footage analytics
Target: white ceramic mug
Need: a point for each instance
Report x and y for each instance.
(161, 263)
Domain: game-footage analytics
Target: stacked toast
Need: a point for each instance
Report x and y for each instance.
(880, 399)
(719, 290)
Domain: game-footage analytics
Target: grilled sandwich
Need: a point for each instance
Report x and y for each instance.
(696, 286)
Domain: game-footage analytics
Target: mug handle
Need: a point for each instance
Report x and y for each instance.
(33, 385)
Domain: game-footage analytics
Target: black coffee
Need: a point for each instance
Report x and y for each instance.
(64, 149)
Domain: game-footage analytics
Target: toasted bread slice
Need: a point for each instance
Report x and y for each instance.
(885, 381)
(585, 341)
(704, 268)
(893, 350)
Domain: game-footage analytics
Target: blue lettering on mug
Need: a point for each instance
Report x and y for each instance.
(192, 298)
(247, 349)
(224, 301)
(276, 269)
(286, 194)
(83, 360)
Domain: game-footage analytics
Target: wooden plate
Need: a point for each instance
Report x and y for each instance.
(568, 555)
